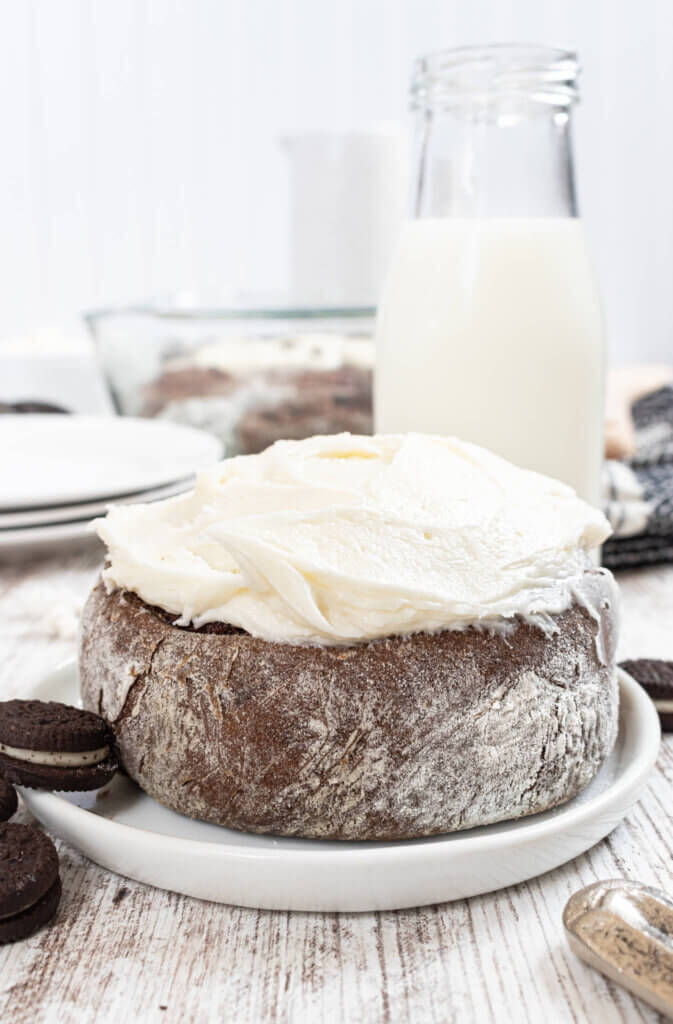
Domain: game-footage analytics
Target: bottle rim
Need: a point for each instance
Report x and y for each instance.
(483, 75)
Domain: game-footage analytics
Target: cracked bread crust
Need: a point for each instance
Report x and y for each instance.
(395, 739)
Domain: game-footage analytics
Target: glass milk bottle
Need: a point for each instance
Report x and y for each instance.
(490, 325)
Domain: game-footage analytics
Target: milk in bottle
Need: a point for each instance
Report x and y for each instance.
(490, 323)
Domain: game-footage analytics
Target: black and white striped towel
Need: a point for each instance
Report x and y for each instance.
(638, 493)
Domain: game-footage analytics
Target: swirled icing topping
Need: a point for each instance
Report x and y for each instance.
(341, 539)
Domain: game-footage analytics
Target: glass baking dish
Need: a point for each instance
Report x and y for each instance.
(249, 375)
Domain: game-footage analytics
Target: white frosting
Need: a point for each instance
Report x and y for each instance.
(342, 539)
(50, 757)
(243, 355)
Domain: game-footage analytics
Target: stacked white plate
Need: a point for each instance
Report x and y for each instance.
(57, 473)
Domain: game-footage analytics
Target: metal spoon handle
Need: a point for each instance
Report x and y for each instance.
(625, 930)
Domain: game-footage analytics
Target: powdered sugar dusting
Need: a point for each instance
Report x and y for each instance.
(397, 738)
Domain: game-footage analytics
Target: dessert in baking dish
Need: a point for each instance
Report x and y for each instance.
(356, 638)
(252, 392)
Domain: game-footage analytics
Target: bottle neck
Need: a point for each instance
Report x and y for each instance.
(493, 135)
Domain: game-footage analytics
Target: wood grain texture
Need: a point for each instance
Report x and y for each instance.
(119, 951)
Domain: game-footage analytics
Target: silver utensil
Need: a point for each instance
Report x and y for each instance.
(625, 930)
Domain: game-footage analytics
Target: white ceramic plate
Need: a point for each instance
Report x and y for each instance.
(87, 510)
(124, 830)
(57, 460)
(40, 541)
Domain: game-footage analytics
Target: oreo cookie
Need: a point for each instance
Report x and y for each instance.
(32, 406)
(8, 801)
(656, 678)
(30, 885)
(45, 745)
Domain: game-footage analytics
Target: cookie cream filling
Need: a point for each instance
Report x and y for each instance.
(342, 539)
(69, 759)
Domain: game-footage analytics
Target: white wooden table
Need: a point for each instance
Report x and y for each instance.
(122, 952)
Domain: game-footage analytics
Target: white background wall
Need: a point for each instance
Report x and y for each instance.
(138, 137)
